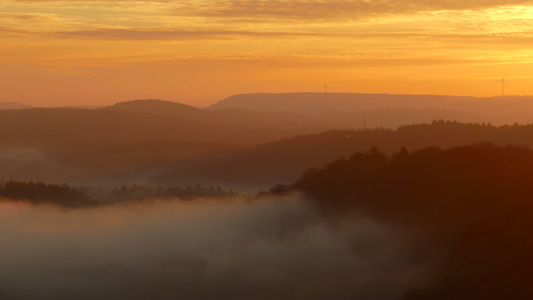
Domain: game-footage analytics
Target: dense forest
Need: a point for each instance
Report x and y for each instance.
(62, 195)
(41, 193)
(473, 203)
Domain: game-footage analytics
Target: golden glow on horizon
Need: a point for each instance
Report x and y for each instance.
(200, 51)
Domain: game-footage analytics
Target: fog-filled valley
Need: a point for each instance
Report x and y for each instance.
(235, 248)
(269, 196)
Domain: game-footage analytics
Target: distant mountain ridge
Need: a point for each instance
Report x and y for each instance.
(508, 109)
(316, 103)
(346, 112)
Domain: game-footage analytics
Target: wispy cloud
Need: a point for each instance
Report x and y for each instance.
(295, 37)
(181, 20)
(11, 30)
(335, 10)
(19, 16)
(185, 34)
(150, 34)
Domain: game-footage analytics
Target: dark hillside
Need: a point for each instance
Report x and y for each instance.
(472, 203)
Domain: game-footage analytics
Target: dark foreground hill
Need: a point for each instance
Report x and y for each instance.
(471, 205)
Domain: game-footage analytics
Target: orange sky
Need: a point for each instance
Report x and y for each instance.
(200, 51)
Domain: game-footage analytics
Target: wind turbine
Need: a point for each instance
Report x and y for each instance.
(503, 83)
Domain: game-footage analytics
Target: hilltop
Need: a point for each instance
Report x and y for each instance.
(159, 107)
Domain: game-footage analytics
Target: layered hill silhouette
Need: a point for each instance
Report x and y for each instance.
(236, 118)
(144, 133)
(129, 136)
(175, 142)
(147, 120)
(284, 160)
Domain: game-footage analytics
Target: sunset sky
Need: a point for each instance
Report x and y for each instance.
(201, 51)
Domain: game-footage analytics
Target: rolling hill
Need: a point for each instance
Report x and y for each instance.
(173, 142)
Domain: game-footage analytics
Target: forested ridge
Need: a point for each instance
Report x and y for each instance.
(285, 159)
(472, 203)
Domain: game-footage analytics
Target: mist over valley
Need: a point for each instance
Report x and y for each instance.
(401, 198)
(266, 149)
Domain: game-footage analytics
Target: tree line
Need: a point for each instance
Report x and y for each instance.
(474, 203)
(65, 196)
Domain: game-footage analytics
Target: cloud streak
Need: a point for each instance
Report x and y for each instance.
(148, 34)
(319, 10)
(306, 9)
(140, 34)
(56, 37)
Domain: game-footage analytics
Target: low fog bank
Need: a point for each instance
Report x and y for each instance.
(236, 248)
